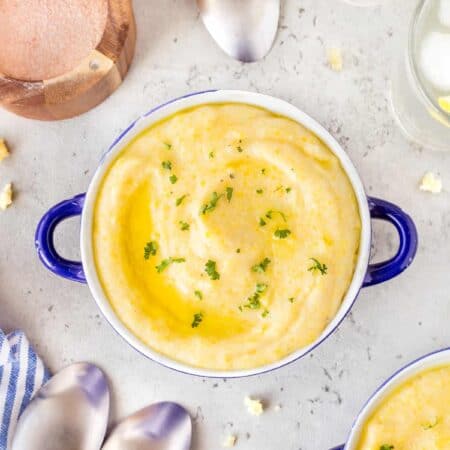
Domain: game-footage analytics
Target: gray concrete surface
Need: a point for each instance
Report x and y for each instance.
(390, 324)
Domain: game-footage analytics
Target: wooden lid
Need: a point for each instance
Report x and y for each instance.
(69, 57)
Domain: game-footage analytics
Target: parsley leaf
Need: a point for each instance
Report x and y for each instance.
(254, 302)
(291, 299)
(211, 155)
(263, 171)
(288, 189)
(150, 249)
(262, 266)
(261, 288)
(259, 191)
(168, 146)
(166, 165)
(179, 200)
(265, 313)
(229, 193)
(211, 205)
(198, 294)
(386, 447)
(173, 179)
(184, 226)
(198, 317)
(322, 268)
(282, 234)
(262, 222)
(165, 263)
(210, 269)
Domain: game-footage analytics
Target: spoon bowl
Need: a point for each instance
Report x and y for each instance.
(71, 412)
(162, 426)
(244, 29)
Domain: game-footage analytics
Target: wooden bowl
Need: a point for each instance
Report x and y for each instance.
(88, 81)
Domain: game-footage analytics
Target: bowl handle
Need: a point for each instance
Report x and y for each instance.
(44, 242)
(407, 232)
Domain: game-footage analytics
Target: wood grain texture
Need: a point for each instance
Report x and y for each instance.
(88, 84)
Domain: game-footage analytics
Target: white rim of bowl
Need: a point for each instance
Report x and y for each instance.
(276, 106)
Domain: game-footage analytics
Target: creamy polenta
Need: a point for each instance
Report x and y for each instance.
(415, 417)
(226, 237)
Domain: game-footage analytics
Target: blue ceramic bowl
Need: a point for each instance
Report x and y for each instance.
(370, 208)
(435, 359)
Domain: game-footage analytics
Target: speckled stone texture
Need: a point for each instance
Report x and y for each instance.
(390, 324)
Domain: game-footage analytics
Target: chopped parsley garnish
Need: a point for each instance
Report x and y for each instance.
(322, 268)
(211, 155)
(229, 193)
(271, 212)
(198, 317)
(262, 222)
(150, 249)
(179, 200)
(265, 313)
(166, 165)
(261, 288)
(263, 171)
(198, 294)
(281, 234)
(239, 148)
(386, 447)
(262, 266)
(259, 191)
(173, 179)
(210, 269)
(254, 302)
(288, 189)
(168, 146)
(291, 299)
(238, 250)
(211, 205)
(165, 263)
(184, 226)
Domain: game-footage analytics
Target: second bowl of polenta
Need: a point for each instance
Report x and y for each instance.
(226, 233)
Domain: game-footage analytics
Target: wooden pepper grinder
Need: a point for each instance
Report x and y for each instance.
(60, 58)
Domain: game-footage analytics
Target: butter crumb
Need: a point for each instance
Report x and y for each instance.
(431, 183)
(254, 406)
(229, 441)
(335, 61)
(6, 196)
(4, 152)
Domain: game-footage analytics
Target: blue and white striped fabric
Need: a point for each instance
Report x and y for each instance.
(22, 373)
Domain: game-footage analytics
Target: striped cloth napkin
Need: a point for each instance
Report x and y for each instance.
(22, 373)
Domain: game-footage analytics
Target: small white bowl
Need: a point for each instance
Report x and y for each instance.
(435, 359)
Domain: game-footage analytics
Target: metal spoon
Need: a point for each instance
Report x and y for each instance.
(162, 426)
(244, 29)
(70, 412)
